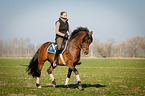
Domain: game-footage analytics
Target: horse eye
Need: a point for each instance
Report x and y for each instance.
(87, 41)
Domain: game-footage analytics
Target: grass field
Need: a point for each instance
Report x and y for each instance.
(99, 77)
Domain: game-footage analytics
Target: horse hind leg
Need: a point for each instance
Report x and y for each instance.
(49, 70)
(40, 65)
(37, 82)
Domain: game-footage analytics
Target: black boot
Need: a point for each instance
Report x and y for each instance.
(56, 57)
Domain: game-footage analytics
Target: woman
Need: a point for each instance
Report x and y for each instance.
(62, 29)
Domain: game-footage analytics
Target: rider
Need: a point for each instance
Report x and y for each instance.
(62, 29)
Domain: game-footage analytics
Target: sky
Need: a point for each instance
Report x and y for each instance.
(108, 19)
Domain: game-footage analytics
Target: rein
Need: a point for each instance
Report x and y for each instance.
(74, 44)
(79, 47)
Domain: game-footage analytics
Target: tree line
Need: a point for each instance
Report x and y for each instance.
(17, 47)
(133, 47)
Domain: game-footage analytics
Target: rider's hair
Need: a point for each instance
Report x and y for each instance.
(62, 12)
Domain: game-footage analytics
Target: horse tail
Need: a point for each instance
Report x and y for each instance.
(32, 68)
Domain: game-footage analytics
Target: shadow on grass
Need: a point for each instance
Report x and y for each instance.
(74, 86)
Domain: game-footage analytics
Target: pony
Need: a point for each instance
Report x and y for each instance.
(80, 39)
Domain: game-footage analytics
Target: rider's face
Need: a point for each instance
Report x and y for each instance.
(64, 15)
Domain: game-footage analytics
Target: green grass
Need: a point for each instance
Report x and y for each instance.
(99, 77)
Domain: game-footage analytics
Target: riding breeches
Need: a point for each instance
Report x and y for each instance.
(59, 42)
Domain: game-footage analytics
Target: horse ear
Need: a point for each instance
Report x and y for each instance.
(91, 33)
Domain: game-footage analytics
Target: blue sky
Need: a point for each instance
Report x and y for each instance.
(35, 19)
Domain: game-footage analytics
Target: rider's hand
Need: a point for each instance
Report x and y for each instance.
(66, 36)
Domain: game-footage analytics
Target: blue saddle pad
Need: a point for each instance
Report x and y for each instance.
(52, 48)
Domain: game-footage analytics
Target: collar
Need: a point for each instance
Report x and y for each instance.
(64, 20)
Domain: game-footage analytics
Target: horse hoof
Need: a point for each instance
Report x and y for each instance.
(53, 83)
(80, 88)
(53, 86)
(68, 88)
(38, 85)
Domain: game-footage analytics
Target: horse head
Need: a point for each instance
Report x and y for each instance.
(82, 39)
(87, 40)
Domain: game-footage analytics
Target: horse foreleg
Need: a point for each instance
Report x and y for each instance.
(68, 77)
(49, 70)
(77, 77)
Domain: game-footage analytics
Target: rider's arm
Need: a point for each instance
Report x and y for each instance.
(57, 29)
(69, 31)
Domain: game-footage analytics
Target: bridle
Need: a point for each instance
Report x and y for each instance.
(86, 37)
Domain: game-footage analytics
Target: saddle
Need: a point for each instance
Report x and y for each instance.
(52, 49)
(53, 46)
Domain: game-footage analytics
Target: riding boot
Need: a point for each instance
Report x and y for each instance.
(56, 58)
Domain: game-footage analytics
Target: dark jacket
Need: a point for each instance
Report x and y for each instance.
(63, 28)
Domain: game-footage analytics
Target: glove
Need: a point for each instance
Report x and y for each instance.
(66, 36)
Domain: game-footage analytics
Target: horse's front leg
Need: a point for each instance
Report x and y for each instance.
(49, 70)
(68, 77)
(77, 77)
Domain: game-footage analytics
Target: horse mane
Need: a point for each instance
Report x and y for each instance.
(79, 29)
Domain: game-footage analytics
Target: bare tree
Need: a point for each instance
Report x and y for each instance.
(141, 50)
(27, 43)
(109, 46)
(122, 49)
(7, 48)
(94, 47)
(132, 45)
(142, 43)
(104, 49)
(14, 46)
(1, 48)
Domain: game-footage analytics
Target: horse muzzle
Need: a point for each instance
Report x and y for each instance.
(85, 53)
(85, 50)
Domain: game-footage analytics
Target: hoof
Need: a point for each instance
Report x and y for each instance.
(38, 85)
(80, 88)
(53, 83)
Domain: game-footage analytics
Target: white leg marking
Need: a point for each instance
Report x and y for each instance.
(78, 78)
(39, 87)
(37, 81)
(66, 82)
(52, 77)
